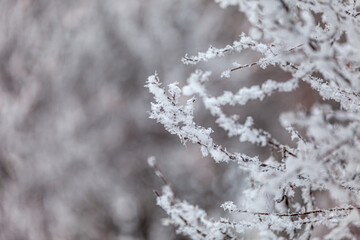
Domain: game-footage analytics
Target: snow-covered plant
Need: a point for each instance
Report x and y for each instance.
(316, 42)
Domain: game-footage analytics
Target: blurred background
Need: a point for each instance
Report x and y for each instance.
(74, 128)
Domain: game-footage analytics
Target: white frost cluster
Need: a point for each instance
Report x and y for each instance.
(317, 43)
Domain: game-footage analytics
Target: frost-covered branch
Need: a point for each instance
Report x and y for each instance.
(188, 219)
(178, 119)
(313, 43)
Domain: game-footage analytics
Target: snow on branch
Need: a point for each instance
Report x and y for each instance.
(246, 131)
(314, 42)
(245, 42)
(178, 119)
(188, 219)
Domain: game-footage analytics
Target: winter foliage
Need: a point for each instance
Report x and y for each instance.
(315, 42)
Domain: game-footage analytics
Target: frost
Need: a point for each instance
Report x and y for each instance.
(311, 42)
(151, 161)
(226, 74)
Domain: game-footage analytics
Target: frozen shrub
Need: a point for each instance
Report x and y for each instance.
(317, 43)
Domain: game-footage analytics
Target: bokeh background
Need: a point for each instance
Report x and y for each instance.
(74, 128)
